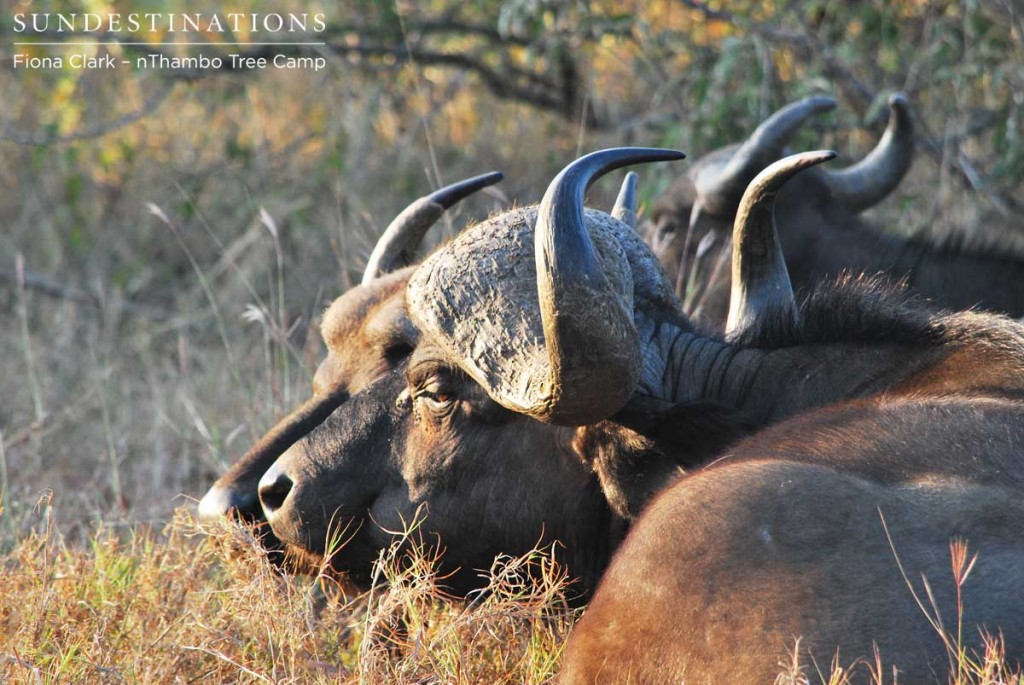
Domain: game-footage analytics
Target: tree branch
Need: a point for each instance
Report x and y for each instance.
(808, 46)
(31, 280)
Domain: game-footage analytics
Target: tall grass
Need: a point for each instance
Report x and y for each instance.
(185, 603)
(191, 603)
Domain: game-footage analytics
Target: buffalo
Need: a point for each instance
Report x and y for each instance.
(561, 314)
(819, 224)
(383, 486)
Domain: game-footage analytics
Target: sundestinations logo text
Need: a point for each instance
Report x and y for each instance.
(28, 23)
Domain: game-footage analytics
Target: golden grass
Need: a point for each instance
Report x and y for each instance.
(185, 604)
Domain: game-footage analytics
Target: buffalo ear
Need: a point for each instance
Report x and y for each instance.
(642, 450)
(629, 466)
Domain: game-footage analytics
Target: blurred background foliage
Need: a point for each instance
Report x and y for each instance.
(170, 237)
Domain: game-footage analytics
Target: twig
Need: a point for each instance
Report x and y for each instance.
(48, 423)
(26, 340)
(229, 660)
(58, 291)
(9, 132)
(42, 284)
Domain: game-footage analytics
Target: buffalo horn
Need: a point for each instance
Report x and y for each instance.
(625, 204)
(403, 236)
(868, 182)
(761, 291)
(591, 340)
(720, 190)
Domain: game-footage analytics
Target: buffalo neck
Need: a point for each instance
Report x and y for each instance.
(767, 384)
(959, 279)
(683, 365)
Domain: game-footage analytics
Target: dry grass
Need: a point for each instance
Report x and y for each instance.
(183, 604)
(188, 603)
(988, 667)
(967, 664)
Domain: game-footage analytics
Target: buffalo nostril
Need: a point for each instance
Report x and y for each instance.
(274, 489)
(220, 502)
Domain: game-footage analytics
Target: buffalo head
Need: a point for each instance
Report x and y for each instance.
(366, 332)
(691, 223)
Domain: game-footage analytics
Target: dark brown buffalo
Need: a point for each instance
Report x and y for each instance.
(367, 333)
(514, 326)
(819, 224)
(389, 490)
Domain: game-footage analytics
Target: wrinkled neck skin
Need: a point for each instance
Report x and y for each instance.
(699, 395)
(681, 365)
(769, 385)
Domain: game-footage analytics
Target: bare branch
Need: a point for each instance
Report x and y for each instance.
(38, 282)
(152, 103)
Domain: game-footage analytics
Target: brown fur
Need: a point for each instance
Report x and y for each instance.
(781, 537)
(733, 565)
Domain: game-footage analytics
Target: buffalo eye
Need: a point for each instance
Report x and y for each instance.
(432, 386)
(436, 397)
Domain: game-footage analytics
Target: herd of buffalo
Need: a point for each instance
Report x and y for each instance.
(731, 471)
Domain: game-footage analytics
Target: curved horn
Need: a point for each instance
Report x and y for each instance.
(720, 189)
(867, 182)
(625, 204)
(234, 492)
(400, 239)
(761, 291)
(591, 341)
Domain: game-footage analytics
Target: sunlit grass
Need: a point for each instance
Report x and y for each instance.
(189, 602)
(184, 602)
